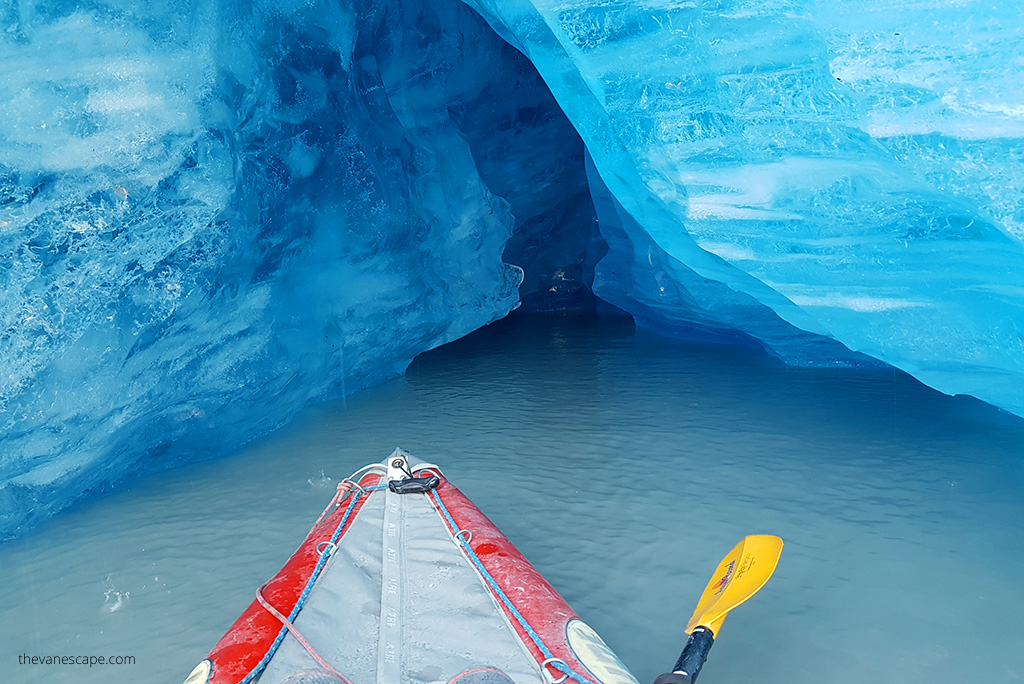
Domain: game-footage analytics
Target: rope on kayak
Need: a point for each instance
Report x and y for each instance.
(550, 659)
(324, 555)
(344, 487)
(290, 626)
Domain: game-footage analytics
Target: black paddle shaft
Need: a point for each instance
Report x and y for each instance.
(691, 659)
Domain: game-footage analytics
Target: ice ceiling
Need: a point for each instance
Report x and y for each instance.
(214, 213)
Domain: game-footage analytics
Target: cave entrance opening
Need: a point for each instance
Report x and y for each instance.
(528, 153)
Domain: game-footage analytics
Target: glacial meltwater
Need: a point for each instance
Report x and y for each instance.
(624, 466)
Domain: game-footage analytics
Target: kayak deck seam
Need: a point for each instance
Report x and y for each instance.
(389, 651)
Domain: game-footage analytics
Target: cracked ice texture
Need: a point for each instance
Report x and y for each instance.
(212, 214)
(797, 172)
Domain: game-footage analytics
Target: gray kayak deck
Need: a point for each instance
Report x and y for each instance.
(398, 602)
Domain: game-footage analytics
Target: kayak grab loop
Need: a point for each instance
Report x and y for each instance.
(551, 662)
(298, 636)
(326, 547)
(352, 484)
(463, 536)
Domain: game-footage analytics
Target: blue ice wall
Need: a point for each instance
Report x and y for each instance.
(214, 213)
(793, 172)
(527, 153)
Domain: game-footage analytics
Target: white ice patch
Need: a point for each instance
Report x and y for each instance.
(972, 124)
(302, 159)
(860, 304)
(753, 191)
(123, 100)
(729, 252)
(720, 207)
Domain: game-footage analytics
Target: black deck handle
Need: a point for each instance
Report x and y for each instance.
(414, 485)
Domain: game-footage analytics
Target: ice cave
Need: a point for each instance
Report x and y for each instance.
(641, 278)
(214, 214)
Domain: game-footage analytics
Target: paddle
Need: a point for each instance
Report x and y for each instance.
(740, 575)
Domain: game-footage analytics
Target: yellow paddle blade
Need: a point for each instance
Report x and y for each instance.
(742, 572)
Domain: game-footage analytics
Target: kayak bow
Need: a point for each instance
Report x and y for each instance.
(403, 579)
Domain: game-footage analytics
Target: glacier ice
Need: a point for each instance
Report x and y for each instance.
(852, 168)
(214, 213)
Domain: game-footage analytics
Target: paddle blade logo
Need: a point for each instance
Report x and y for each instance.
(748, 562)
(738, 577)
(724, 582)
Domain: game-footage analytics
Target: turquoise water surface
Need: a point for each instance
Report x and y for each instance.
(624, 466)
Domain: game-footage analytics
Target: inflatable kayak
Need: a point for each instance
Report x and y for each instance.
(404, 580)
